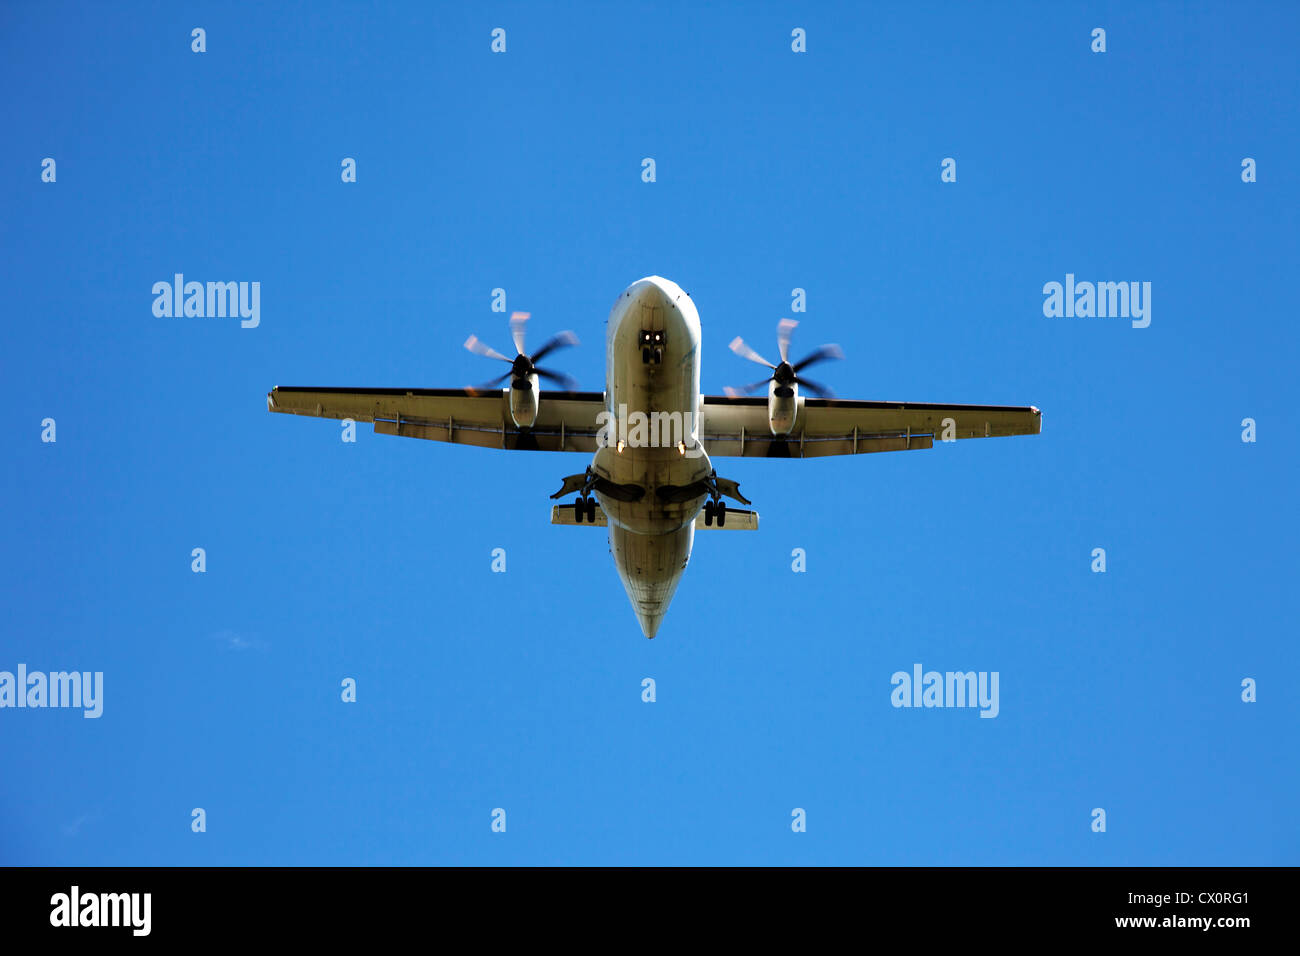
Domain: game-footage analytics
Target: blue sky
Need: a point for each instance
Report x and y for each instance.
(522, 690)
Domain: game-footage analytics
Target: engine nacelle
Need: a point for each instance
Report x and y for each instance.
(524, 397)
(782, 407)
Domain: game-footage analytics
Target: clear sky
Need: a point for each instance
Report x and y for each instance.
(775, 170)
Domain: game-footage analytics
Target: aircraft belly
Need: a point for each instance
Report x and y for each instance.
(647, 472)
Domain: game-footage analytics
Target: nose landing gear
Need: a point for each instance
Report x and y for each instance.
(652, 347)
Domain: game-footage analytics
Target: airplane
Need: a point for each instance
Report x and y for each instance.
(651, 480)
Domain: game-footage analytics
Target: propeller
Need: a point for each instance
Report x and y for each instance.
(786, 374)
(523, 364)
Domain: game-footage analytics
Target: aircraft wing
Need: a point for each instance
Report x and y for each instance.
(738, 427)
(566, 421)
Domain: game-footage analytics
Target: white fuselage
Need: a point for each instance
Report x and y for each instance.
(652, 393)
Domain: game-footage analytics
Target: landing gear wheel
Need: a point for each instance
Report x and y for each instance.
(721, 512)
(708, 514)
(591, 510)
(578, 510)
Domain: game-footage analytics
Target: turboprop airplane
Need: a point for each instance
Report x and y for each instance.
(651, 434)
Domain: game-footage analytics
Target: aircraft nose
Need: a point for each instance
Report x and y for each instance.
(650, 294)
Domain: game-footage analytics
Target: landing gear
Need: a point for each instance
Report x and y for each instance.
(652, 347)
(715, 512)
(585, 505)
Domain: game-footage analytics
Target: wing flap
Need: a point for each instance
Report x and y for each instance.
(768, 446)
